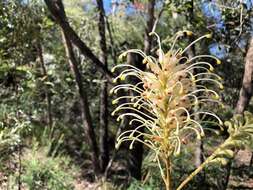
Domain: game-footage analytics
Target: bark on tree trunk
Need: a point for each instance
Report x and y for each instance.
(149, 27)
(85, 112)
(103, 137)
(246, 90)
(199, 148)
(48, 96)
(103, 141)
(137, 151)
(245, 93)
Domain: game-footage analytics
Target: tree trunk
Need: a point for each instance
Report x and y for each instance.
(103, 141)
(48, 96)
(150, 23)
(199, 158)
(85, 112)
(137, 151)
(246, 90)
(199, 148)
(136, 154)
(103, 144)
(245, 94)
(198, 154)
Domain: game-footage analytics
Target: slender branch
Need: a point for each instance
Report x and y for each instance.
(86, 117)
(206, 162)
(114, 55)
(199, 169)
(48, 96)
(57, 10)
(159, 16)
(103, 145)
(168, 174)
(149, 27)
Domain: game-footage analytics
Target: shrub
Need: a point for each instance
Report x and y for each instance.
(49, 173)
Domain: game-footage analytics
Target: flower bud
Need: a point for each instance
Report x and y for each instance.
(208, 35)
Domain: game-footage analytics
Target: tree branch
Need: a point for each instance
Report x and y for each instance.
(149, 27)
(57, 10)
(103, 116)
(85, 111)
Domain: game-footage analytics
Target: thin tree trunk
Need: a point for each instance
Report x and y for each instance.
(137, 151)
(48, 96)
(199, 148)
(85, 112)
(150, 23)
(19, 167)
(103, 141)
(199, 158)
(251, 160)
(103, 144)
(113, 50)
(246, 90)
(245, 94)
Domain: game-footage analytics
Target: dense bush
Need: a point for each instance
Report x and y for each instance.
(43, 172)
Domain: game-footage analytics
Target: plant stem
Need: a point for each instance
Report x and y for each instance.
(189, 178)
(167, 179)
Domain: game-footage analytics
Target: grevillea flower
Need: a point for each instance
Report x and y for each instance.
(166, 97)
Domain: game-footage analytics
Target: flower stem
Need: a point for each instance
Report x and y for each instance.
(195, 172)
(167, 179)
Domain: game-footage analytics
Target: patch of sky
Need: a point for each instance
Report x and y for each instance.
(112, 6)
(213, 12)
(107, 5)
(242, 43)
(218, 50)
(248, 4)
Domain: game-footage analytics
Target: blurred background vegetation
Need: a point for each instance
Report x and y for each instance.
(56, 131)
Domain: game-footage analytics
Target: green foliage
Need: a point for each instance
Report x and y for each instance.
(150, 185)
(12, 125)
(240, 135)
(43, 172)
(23, 104)
(45, 167)
(240, 129)
(151, 176)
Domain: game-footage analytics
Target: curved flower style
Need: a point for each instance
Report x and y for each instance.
(165, 99)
